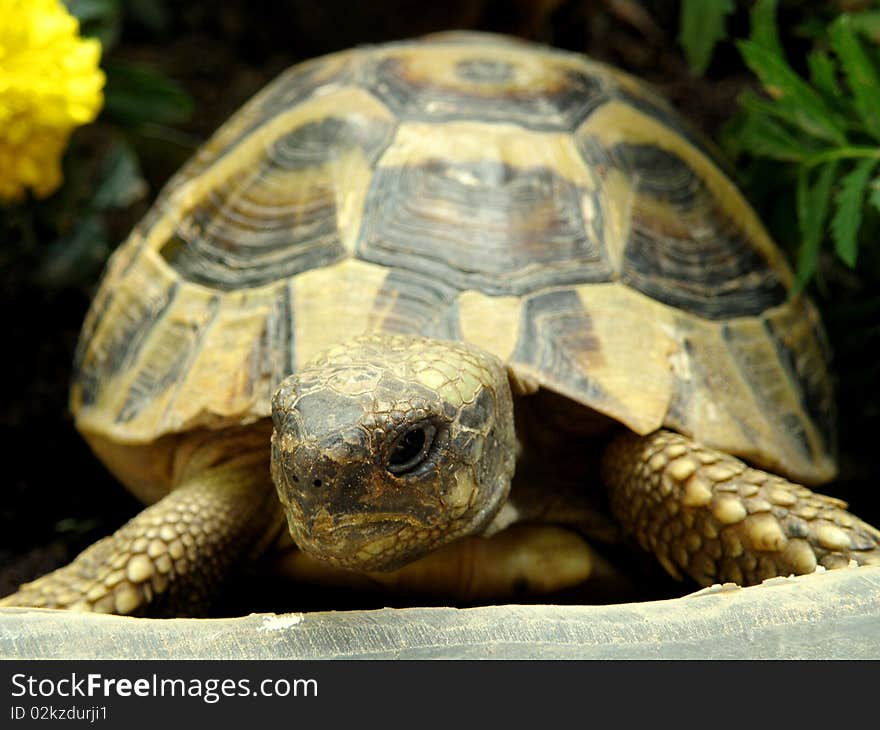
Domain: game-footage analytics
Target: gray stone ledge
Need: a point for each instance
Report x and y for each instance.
(819, 616)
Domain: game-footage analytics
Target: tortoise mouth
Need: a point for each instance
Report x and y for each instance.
(374, 519)
(369, 541)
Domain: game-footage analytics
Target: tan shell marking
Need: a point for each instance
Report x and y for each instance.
(343, 296)
(509, 144)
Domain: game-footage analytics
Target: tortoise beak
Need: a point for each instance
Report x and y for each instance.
(346, 513)
(332, 509)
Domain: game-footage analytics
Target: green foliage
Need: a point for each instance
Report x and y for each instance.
(67, 238)
(137, 95)
(83, 248)
(795, 102)
(860, 72)
(812, 210)
(151, 14)
(101, 19)
(701, 27)
(848, 216)
(763, 27)
(825, 125)
(868, 24)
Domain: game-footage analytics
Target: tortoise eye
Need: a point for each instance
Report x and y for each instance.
(411, 449)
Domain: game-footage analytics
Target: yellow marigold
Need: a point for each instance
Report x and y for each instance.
(50, 83)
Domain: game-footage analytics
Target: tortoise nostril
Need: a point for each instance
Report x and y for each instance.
(295, 478)
(317, 482)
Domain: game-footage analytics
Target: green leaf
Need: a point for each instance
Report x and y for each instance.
(848, 217)
(861, 75)
(701, 26)
(778, 128)
(812, 28)
(101, 19)
(867, 23)
(795, 100)
(763, 27)
(763, 136)
(823, 74)
(874, 195)
(136, 94)
(121, 182)
(812, 212)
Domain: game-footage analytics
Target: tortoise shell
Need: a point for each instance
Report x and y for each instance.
(547, 208)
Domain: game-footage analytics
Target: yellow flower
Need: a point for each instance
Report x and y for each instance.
(50, 83)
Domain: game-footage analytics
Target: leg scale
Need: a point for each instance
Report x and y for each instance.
(708, 515)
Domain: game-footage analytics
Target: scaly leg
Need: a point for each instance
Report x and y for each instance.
(707, 514)
(171, 558)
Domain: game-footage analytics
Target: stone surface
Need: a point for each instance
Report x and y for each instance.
(823, 615)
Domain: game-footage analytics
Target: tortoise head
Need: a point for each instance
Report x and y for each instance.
(387, 447)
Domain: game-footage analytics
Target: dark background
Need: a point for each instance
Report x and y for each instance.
(58, 498)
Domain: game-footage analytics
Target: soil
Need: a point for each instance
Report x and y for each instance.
(60, 499)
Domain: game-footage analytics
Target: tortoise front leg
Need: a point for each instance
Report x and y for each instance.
(524, 559)
(707, 514)
(171, 558)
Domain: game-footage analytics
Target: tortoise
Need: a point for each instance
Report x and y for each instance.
(435, 293)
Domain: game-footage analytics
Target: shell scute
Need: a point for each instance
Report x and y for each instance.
(278, 207)
(488, 226)
(489, 82)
